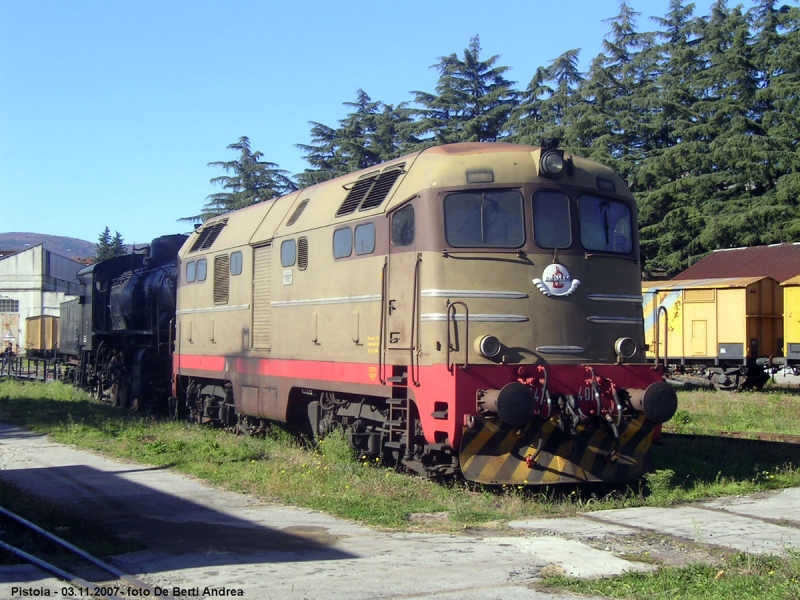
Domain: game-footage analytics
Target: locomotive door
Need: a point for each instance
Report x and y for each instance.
(401, 303)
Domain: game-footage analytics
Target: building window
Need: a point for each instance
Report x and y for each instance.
(9, 306)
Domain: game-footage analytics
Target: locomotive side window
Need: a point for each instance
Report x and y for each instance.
(403, 226)
(202, 269)
(342, 242)
(236, 263)
(288, 253)
(551, 226)
(365, 238)
(605, 225)
(191, 271)
(492, 219)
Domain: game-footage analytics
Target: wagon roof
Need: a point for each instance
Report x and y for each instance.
(713, 283)
(779, 261)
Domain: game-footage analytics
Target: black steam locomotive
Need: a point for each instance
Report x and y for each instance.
(117, 335)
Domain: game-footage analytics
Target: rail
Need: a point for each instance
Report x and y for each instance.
(85, 587)
(31, 369)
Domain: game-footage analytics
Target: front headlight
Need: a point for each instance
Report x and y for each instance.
(552, 163)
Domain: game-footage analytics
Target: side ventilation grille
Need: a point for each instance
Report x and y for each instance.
(302, 253)
(222, 267)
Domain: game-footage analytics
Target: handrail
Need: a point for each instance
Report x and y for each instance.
(381, 337)
(451, 309)
(414, 308)
(656, 341)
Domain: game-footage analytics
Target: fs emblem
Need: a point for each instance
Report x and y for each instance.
(556, 281)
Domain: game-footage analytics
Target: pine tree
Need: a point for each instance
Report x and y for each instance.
(472, 103)
(252, 181)
(107, 247)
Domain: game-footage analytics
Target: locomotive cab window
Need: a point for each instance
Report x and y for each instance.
(191, 271)
(288, 253)
(202, 269)
(605, 225)
(491, 219)
(365, 238)
(403, 226)
(236, 263)
(342, 242)
(551, 225)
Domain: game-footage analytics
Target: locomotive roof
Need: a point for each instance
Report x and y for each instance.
(436, 167)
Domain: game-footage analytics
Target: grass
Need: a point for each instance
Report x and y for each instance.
(708, 412)
(735, 578)
(329, 477)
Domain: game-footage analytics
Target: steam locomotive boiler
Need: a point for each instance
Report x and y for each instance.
(119, 331)
(471, 308)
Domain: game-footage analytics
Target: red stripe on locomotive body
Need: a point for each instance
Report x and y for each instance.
(444, 398)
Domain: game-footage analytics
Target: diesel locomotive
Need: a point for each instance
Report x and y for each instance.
(471, 308)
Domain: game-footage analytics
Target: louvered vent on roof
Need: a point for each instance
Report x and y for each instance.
(381, 188)
(297, 212)
(357, 193)
(207, 236)
(302, 253)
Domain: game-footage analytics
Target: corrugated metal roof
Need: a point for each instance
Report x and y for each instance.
(779, 261)
(699, 284)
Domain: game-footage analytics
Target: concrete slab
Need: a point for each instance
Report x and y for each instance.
(573, 526)
(780, 506)
(199, 537)
(709, 527)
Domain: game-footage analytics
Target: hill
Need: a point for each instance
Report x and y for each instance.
(65, 246)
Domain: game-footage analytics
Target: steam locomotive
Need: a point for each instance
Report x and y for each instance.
(471, 308)
(117, 333)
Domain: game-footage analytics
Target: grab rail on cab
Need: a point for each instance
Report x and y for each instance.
(656, 335)
(451, 310)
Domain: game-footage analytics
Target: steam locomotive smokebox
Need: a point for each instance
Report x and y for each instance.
(164, 249)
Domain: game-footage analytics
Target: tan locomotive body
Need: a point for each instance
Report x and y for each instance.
(471, 307)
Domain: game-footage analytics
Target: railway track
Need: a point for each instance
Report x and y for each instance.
(122, 586)
(783, 438)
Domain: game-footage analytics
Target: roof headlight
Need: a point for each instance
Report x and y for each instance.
(552, 163)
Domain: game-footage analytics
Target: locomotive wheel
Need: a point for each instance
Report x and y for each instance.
(136, 404)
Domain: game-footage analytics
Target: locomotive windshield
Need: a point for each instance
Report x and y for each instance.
(605, 225)
(491, 218)
(551, 225)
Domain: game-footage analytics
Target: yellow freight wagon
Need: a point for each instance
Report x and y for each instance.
(714, 330)
(42, 335)
(791, 320)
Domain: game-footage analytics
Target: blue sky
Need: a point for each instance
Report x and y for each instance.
(110, 110)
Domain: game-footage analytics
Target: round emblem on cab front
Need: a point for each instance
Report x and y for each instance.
(556, 281)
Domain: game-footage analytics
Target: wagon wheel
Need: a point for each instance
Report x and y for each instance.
(726, 382)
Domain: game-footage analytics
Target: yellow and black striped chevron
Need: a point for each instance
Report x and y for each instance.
(543, 454)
